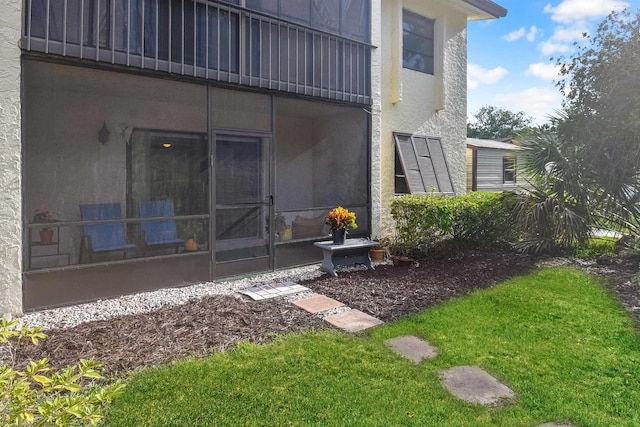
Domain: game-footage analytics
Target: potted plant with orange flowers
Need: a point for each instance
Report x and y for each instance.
(339, 219)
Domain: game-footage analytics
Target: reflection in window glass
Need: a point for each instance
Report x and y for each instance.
(417, 42)
(169, 166)
(169, 175)
(509, 169)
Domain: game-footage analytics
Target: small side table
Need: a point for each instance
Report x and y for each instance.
(46, 255)
(354, 251)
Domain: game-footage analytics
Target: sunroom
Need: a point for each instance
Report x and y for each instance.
(170, 142)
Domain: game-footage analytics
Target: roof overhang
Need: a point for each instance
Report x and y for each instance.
(481, 9)
(475, 143)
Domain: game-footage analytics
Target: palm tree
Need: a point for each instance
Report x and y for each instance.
(583, 175)
(556, 212)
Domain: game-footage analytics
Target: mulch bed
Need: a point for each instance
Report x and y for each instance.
(217, 323)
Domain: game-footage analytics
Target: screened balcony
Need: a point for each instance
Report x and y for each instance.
(316, 48)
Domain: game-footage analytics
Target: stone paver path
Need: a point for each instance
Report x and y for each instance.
(318, 303)
(474, 385)
(353, 321)
(413, 348)
(469, 383)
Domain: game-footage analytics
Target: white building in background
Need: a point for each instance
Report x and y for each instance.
(494, 166)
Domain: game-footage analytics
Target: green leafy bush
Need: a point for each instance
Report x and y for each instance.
(478, 220)
(598, 246)
(42, 396)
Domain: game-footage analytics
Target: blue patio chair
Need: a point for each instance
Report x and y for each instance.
(159, 233)
(103, 237)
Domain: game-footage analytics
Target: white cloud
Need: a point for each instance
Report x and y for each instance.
(515, 35)
(577, 10)
(537, 102)
(533, 31)
(576, 17)
(563, 38)
(570, 34)
(545, 71)
(520, 33)
(476, 75)
(550, 47)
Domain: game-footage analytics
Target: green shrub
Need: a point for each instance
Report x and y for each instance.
(473, 220)
(42, 396)
(597, 246)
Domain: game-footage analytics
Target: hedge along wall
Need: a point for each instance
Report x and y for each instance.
(473, 220)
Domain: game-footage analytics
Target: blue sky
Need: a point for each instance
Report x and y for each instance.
(509, 62)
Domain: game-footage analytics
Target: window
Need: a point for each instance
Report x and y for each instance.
(421, 166)
(509, 169)
(172, 167)
(417, 42)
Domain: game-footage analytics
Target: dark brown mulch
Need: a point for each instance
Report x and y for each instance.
(127, 342)
(216, 323)
(621, 274)
(390, 292)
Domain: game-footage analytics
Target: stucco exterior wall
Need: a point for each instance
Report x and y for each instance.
(418, 103)
(376, 119)
(10, 172)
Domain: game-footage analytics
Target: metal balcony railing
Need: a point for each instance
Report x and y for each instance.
(206, 39)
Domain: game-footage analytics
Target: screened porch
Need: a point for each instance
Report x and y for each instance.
(151, 183)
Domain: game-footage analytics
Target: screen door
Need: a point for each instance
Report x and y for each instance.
(242, 199)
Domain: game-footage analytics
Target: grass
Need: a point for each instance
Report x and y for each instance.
(597, 246)
(555, 336)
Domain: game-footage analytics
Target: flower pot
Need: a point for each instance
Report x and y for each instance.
(286, 234)
(46, 236)
(191, 245)
(377, 255)
(402, 261)
(338, 236)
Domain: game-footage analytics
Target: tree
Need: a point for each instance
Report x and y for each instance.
(603, 113)
(556, 212)
(586, 168)
(498, 123)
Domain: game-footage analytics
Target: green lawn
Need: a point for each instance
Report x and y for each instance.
(555, 336)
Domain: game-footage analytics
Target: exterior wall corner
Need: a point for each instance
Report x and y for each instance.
(10, 159)
(376, 119)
